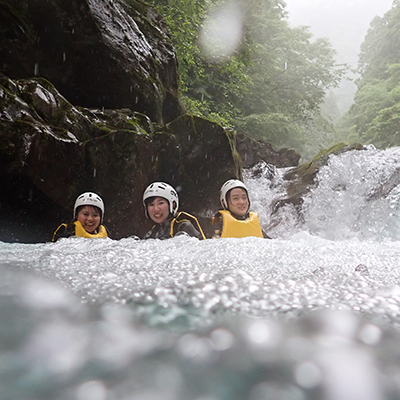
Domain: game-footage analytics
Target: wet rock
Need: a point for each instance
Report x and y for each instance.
(102, 113)
(253, 151)
(302, 178)
(51, 151)
(362, 270)
(97, 54)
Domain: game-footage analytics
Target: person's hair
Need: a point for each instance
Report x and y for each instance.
(149, 200)
(78, 209)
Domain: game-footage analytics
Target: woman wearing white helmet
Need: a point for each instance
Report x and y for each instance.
(161, 203)
(87, 219)
(235, 220)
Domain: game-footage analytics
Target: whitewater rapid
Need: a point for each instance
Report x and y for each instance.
(312, 314)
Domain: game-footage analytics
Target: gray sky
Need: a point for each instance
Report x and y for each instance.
(344, 22)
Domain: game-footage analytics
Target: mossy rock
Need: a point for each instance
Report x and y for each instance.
(302, 178)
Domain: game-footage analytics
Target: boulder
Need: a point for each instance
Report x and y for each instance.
(301, 179)
(98, 54)
(51, 151)
(253, 151)
(89, 102)
(295, 184)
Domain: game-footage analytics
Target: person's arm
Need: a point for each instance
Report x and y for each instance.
(149, 234)
(187, 228)
(64, 231)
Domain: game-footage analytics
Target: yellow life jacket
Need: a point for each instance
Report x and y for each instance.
(81, 232)
(237, 228)
(182, 217)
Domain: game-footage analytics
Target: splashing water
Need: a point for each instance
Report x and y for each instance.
(357, 197)
(312, 314)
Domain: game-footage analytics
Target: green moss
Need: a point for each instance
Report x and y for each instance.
(302, 177)
(310, 168)
(104, 128)
(231, 135)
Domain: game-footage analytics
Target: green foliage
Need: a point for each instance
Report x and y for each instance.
(210, 88)
(384, 130)
(375, 114)
(273, 84)
(276, 128)
(202, 108)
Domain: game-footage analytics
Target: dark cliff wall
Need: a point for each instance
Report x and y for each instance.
(89, 102)
(97, 53)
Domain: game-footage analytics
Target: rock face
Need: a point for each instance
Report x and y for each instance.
(89, 102)
(302, 178)
(97, 53)
(51, 151)
(253, 151)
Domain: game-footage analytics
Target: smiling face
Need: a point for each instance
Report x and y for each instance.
(89, 217)
(158, 209)
(238, 202)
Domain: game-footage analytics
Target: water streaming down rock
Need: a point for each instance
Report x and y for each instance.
(312, 314)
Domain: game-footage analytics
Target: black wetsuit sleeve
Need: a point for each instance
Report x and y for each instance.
(108, 232)
(64, 231)
(149, 234)
(186, 227)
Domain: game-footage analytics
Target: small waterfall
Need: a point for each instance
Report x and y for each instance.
(356, 196)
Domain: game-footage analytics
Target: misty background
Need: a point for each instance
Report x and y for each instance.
(345, 23)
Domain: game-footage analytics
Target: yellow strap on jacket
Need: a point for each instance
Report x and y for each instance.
(81, 232)
(55, 233)
(184, 216)
(236, 228)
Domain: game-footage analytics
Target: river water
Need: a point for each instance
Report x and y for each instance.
(312, 314)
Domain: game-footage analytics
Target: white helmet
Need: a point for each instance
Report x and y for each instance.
(226, 187)
(89, 199)
(162, 189)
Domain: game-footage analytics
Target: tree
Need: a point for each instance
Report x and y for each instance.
(290, 75)
(212, 89)
(374, 115)
(271, 86)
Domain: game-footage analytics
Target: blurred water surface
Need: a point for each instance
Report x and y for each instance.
(312, 314)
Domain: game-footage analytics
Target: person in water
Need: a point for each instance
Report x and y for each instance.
(161, 205)
(87, 219)
(235, 220)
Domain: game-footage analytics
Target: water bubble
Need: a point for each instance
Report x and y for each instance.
(308, 375)
(194, 347)
(370, 334)
(92, 390)
(222, 32)
(222, 339)
(262, 333)
(276, 391)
